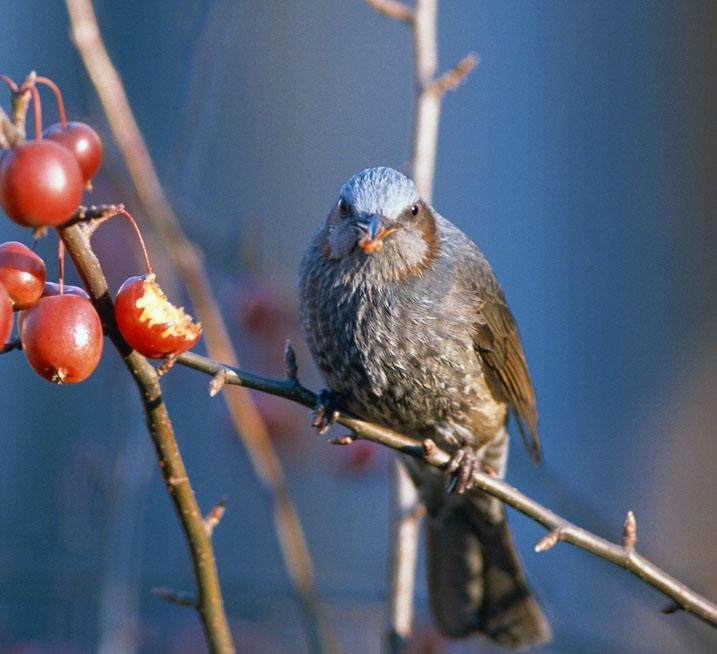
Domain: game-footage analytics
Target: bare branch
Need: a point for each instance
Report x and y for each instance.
(5, 129)
(427, 111)
(12, 133)
(560, 528)
(392, 9)
(404, 524)
(209, 603)
(249, 424)
(429, 92)
(424, 143)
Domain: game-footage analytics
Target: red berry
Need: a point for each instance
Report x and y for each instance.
(40, 184)
(150, 323)
(22, 272)
(5, 315)
(51, 288)
(84, 143)
(62, 338)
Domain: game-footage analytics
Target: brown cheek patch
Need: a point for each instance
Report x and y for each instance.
(427, 224)
(324, 245)
(430, 235)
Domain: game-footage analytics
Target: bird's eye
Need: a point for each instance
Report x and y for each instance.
(344, 207)
(414, 209)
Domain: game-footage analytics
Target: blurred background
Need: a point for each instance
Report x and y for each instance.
(580, 156)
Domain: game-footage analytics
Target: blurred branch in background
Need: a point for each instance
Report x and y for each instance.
(623, 555)
(188, 261)
(404, 519)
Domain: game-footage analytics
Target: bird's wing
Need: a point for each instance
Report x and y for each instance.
(498, 345)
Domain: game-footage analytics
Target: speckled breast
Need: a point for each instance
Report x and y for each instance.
(397, 358)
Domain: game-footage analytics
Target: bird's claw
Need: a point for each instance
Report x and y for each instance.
(460, 471)
(326, 411)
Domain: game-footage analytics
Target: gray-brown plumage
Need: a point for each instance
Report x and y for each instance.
(410, 328)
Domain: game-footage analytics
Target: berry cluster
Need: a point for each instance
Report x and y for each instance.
(42, 180)
(41, 185)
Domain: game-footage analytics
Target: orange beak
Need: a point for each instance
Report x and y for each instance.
(372, 234)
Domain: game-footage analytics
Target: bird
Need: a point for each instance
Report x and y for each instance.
(410, 329)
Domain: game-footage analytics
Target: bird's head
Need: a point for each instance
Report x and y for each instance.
(380, 219)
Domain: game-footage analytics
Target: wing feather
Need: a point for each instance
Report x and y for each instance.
(497, 343)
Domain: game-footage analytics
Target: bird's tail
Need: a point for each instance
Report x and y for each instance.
(475, 579)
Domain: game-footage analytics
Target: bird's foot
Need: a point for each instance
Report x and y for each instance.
(326, 410)
(460, 470)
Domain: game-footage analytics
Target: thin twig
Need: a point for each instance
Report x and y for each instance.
(392, 9)
(403, 555)
(187, 259)
(5, 128)
(209, 603)
(453, 78)
(559, 528)
(12, 128)
(213, 518)
(629, 532)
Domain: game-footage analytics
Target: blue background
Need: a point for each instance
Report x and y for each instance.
(579, 155)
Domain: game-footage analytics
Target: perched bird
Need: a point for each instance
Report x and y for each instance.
(410, 329)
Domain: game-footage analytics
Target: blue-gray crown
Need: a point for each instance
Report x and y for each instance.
(380, 190)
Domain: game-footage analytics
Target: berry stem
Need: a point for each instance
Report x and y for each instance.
(40, 79)
(126, 214)
(10, 82)
(61, 265)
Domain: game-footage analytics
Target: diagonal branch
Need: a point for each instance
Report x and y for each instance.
(209, 603)
(188, 260)
(560, 529)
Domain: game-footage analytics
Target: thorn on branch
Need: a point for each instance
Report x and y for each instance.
(629, 531)
(211, 520)
(548, 541)
(346, 439)
(216, 383)
(292, 370)
(392, 9)
(180, 598)
(453, 78)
